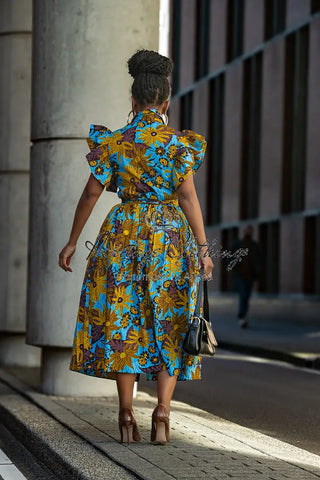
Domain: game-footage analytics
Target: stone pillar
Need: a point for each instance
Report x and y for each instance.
(15, 102)
(80, 49)
(291, 254)
(232, 144)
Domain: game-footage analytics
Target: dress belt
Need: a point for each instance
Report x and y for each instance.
(173, 201)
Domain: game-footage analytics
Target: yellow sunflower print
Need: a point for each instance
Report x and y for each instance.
(141, 279)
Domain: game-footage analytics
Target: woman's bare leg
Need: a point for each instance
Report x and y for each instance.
(160, 429)
(165, 388)
(125, 384)
(127, 423)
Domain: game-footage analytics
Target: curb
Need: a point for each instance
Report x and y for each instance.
(50, 441)
(221, 448)
(34, 443)
(298, 361)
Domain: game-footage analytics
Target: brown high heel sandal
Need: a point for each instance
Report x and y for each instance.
(128, 426)
(160, 425)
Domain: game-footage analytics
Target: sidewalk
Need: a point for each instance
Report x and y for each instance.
(281, 329)
(78, 438)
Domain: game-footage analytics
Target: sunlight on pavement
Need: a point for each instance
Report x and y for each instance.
(247, 358)
(7, 470)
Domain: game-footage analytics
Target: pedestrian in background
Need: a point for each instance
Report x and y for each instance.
(140, 285)
(246, 273)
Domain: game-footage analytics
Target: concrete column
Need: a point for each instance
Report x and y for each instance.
(80, 49)
(253, 24)
(291, 254)
(217, 35)
(15, 102)
(232, 144)
(187, 43)
(271, 129)
(297, 12)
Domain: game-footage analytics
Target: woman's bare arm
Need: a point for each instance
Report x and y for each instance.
(88, 199)
(189, 203)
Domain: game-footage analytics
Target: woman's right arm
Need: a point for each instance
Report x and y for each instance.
(189, 203)
(88, 199)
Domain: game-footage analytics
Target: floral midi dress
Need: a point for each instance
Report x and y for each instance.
(140, 285)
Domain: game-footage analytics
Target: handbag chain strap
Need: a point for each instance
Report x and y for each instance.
(203, 287)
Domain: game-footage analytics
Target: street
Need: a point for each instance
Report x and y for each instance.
(274, 398)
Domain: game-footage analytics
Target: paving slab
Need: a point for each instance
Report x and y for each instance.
(65, 453)
(202, 445)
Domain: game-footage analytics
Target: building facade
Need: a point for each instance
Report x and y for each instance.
(246, 76)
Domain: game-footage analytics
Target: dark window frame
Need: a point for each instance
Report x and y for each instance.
(274, 17)
(311, 264)
(269, 241)
(186, 111)
(315, 6)
(215, 149)
(295, 122)
(202, 38)
(235, 29)
(228, 237)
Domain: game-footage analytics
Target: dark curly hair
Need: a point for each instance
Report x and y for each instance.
(150, 71)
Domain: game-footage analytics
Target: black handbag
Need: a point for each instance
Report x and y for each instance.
(200, 340)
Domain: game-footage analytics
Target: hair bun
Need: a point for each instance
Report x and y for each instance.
(148, 61)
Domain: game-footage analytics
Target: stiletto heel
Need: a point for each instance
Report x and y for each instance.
(160, 426)
(128, 426)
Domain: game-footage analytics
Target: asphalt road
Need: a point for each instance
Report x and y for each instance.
(274, 398)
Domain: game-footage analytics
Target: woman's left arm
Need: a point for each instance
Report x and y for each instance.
(88, 199)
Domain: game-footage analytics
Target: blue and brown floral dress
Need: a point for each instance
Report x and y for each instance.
(140, 285)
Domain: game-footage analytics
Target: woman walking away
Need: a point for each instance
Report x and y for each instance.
(142, 275)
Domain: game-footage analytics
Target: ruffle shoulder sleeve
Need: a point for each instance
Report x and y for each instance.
(191, 148)
(98, 157)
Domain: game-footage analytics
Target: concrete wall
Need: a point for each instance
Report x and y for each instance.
(15, 102)
(80, 50)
